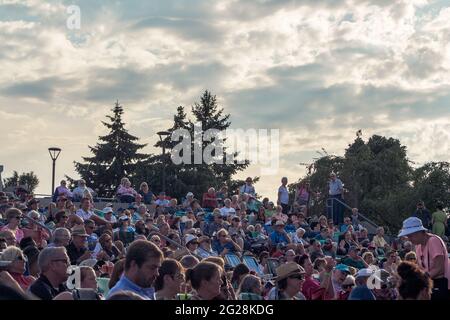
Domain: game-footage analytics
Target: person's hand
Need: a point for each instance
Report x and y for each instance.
(102, 255)
(330, 263)
(225, 251)
(85, 256)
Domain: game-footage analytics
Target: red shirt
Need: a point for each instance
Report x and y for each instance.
(209, 201)
(23, 281)
(311, 289)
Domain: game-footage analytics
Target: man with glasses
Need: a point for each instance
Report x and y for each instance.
(78, 248)
(53, 263)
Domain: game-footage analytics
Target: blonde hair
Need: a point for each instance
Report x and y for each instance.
(10, 254)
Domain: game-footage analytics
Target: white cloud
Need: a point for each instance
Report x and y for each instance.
(317, 69)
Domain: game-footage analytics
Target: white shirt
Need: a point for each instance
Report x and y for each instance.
(284, 195)
(83, 214)
(227, 211)
(162, 203)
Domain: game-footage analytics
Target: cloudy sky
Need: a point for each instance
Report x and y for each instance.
(318, 70)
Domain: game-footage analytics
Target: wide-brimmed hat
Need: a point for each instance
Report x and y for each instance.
(79, 231)
(279, 223)
(288, 269)
(411, 225)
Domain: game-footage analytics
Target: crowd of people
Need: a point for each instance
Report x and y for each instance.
(218, 246)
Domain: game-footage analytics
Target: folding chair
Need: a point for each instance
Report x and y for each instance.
(252, 264)
(273, 264)
(232, 260)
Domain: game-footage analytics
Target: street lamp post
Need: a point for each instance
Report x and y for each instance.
(162, 134)
(54, 154)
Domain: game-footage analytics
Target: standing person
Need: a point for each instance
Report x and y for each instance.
(439, 220)
(283, 195)
(423, 214)
(13, 216)
(248, 187)
(142, 262)
(302, 196)
(432, 256)
(336, 190)
(53, 263)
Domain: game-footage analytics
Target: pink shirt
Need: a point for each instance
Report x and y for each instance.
(427, 254)
(18, 233)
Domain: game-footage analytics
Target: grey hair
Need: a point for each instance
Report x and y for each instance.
(58, 233)
(249, 283)
(47, 255)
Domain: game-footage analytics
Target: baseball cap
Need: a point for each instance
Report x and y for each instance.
(342, 267)
(107, 210)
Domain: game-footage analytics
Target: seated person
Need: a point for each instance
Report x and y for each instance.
(353, 259)
(224, 244)
(279, 235)
(125, 192)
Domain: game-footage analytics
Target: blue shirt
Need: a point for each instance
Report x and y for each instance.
(361, 293)
(277, 237)
(125, 284)
(217, 247)
(335, 187)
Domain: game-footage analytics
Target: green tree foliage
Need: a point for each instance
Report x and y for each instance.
(379, 180)
(114, 157)
(28, 179)
(196, 178)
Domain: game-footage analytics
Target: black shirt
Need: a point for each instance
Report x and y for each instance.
(74, 254)
(43, 289)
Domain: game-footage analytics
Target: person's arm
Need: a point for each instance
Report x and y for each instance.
(279, 197)
(99, 221)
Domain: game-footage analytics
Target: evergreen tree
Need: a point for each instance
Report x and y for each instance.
(114, 157)
(197, 178)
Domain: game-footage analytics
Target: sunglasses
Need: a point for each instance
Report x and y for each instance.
(347, 286)
(297, 276)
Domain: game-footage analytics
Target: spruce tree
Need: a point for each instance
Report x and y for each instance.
(197, 178)
(115, 156)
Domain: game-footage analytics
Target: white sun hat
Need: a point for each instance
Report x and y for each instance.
(411, 225)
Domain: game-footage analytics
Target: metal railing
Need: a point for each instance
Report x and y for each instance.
(360, 215)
